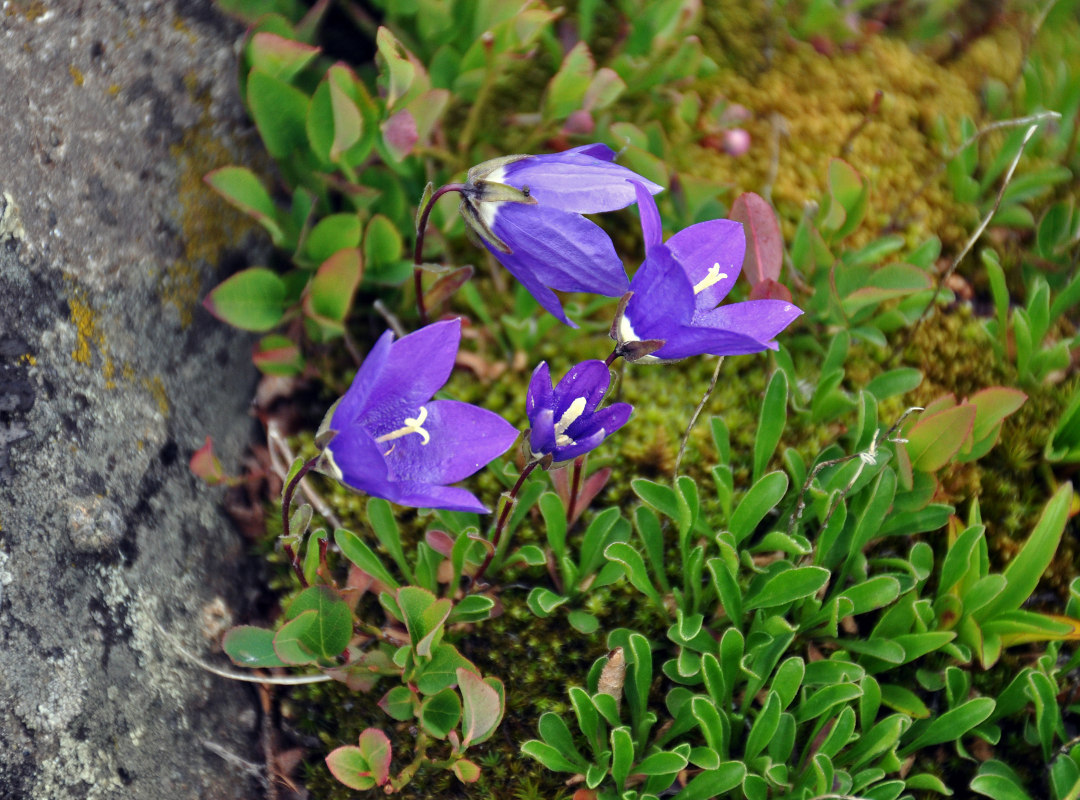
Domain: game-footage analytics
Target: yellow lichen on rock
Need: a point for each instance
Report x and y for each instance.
(84, 318)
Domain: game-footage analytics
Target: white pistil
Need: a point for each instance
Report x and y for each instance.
(714, 276)
(412, 425)
(566, 420)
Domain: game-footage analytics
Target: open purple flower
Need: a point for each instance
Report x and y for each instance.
(671, 311)
(386, 437)
(565, 421)
(527, 211)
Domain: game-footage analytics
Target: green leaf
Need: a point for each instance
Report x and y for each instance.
(566, 91)
(289, 641)
(634, 565)
(424, 615)
(877, 592)
(362, 556)
(622, 755)
(365, 766)
(332, 233)
(661, 498)
(399, 703)
(847, 199)
(714, 782)
(440, 713)
(542, 601)
(952, 725)
(1023, 573)
(771, 422)
(935, 439)
(277, 56)
(763, 496)
(252, 300)
(895, 382)
(329, 632)
(788, 586)
(903, 700)
(253, 647)
(280, 114)
(471, 608)
(330, 293)
(999, 782)
(383, 245)
(381, 516)
(242, 189)
(549, 757)
(825, 700)
(991, 407)
(441, 670)
(662, 763)
(763, 728)
(278, 355)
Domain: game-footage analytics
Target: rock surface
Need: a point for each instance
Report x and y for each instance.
(110, 377)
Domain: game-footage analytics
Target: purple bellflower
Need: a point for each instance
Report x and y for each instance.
(565, 421)
(671, 311)
(527, 211)
(386, 437)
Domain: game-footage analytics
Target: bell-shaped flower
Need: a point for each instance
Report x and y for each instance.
(388, 438)
(527, 211)
(565, 420)
(671, 311)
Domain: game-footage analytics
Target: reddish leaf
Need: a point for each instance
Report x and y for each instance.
(329, 297)
(400, 134)
(441, 542)
(278, 355)
(484, 706)
(769, 289)
(936, 439)
(992, 406)
(444, 288)
(764, 243)
(365, 766)
(204, 464)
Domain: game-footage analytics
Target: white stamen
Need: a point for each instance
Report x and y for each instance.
(412, 425)
(714, 276)
(626, 331)
(571, 414)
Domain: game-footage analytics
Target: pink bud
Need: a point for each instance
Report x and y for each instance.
(579, 122)
(736, 142)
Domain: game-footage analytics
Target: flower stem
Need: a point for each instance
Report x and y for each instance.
(418, 249)
(611, 358)
(504, 516)
(575, 490)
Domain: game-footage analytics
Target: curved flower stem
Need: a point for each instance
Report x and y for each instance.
(611, 359)
(418, 248)
(286, 502)
(504, 516)
(697, 413)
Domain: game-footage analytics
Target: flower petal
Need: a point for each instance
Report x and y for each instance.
(417, 367)
(580, 446)
(761, 319)
(542, 435)
(462, 439)
(651, 227)
(425, 495)
(663, 299)
(610, 419)
(588, 380)
(359, 461)
(575, 181)
(539, 394)
(691, 340)
(711, 254)
(564, 251)
(352, 404)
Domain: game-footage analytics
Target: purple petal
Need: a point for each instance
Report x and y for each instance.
(574, 181)
(417, 367)
(651, 227)
(609, 419)
(690, 340)
(424, 495)
(355, 399)
(359, 459)
(595, 150)
(580, 446)
(539, 394)
(547, 299)
(542, 436)
(711, 253)
(564, 251)
(761, 319)
(663, 299)
(462, 439)
(589, 380)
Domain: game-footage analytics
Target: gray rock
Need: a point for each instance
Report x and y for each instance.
(111, 376)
